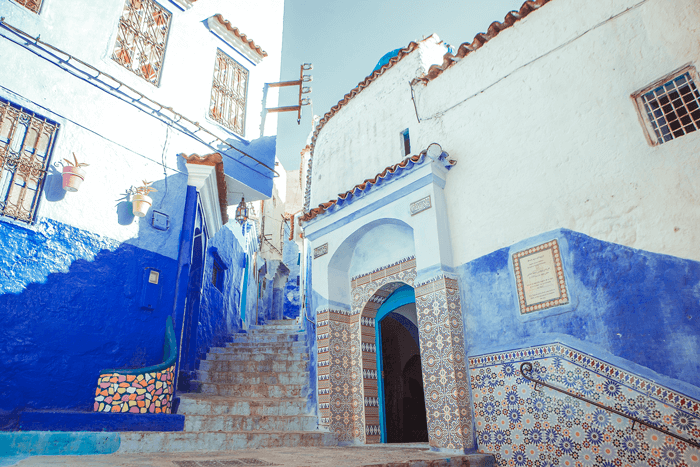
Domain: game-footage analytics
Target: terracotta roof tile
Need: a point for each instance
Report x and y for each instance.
(217, 161)
(361, 188)
(240, 35)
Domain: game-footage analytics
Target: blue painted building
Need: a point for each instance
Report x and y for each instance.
(527, 206)
(128, 136)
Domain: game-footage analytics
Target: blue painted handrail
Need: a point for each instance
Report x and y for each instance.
(169, 355)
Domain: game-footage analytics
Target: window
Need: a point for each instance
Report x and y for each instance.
(228, 93)
(141, 38)
(217, 277)
(670, 107)
(31, 5)
(26, 140)
(405, 142)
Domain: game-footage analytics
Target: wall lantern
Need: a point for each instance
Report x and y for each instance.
(141, 201)
(242, 212)
(73, 175)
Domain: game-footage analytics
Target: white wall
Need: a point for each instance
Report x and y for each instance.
(122, 144)
(544, 129)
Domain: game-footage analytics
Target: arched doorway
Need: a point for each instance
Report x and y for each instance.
(402, 409)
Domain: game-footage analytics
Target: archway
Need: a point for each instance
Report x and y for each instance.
(402, 410)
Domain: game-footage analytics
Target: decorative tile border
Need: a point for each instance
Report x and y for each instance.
(421, 205)
(320, 250)
(144, 393)
(524, 426)
(544, 262)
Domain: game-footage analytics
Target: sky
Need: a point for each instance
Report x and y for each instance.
(344, 41)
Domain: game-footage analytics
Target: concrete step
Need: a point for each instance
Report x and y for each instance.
(253, 390)
(271, 328)
(257, 357)
(262, 338)
(207, 404)
(248, 423)
(266, 365)
(140, 441)
(293, 346)
(243, 377)
(283, 322)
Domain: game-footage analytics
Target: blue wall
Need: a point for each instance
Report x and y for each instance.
(61, 328)
(292, 292)
(638, 306)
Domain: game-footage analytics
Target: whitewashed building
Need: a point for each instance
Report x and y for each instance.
(527, 201)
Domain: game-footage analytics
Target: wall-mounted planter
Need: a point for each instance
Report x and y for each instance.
(72, 178)
(142, 204)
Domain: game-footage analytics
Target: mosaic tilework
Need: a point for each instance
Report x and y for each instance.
(447, 397)
(369, 292)
(145, 393)
(523, 426)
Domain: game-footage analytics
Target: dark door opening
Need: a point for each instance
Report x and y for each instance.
(404, 398)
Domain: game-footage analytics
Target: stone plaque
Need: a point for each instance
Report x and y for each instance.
(539, 277)
(321, 250)
(420, 205)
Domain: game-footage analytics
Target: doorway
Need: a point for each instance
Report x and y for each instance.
(402, 398)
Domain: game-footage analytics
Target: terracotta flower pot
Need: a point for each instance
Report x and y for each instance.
(72, 178)
(141, 204)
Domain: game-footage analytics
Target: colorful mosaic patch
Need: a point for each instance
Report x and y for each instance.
(527, 427)
(144, 393)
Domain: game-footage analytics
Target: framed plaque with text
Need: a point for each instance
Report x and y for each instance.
(539, 277)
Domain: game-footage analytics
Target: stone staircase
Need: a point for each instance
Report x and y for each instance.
(253, 395)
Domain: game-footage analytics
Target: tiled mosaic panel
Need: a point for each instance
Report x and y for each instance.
(369, 292)
(145, 393)
(527, 427)
(448, 405)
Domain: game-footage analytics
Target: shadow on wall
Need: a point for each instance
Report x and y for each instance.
(58, 335)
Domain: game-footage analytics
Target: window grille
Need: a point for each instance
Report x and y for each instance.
(141, 39)
(673, 108)
(31, 5)
(228, 93)
(26, 141)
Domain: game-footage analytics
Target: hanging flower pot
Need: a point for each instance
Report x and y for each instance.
(141, 204)
(73, 175)
(141, 201)
(72, 178)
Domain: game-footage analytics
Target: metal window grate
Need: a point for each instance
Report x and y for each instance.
(141, 39)
(228, 93)
(673, 108)
(26, 140)
(31, 5)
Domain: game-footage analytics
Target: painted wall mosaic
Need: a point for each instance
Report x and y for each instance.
(144, 393)
(527, 427)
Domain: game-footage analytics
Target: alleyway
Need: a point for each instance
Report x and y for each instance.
(378, 455)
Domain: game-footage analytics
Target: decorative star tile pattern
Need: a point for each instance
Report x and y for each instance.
(447, 397)
(527, 427)
(145, 393)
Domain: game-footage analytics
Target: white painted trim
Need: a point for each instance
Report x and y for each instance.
(203, 177)
(234, 41)
(184, 4)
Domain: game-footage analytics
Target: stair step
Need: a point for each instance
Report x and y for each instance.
(283, 322)
(257, 357)
(207, 404)
(271, 348)
(248, 423)
(261, 338)
(251, 345)
(266, 365)
(257, 377)
(271, 328)
(253, 390)
(139, 441)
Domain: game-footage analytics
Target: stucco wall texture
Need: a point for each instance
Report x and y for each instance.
(544, 129)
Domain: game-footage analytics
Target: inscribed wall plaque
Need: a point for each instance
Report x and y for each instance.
(321, 250)
(539, 278)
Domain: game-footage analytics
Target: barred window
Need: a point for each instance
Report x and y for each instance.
(141, 39)
(228, 93)
(26, 140)
(671, 109)
(31, 5)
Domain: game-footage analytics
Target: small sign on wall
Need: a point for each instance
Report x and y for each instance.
(421, 205)
(321, 250)
(539, 277)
